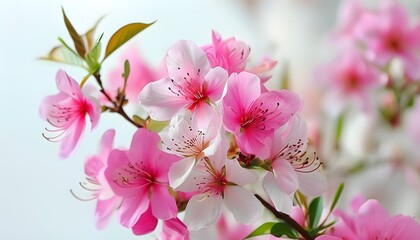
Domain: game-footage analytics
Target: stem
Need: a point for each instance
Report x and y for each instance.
(286, 218)
(117, 107)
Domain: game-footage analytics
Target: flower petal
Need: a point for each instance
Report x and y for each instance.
(237, 174)
(312, 183)
(243, 204)
(215, 81)
(104, 211)
(282, 202)
(285, 176)
(163, 204)
(179, 171)
(132, 208)
(146, 223)
(202, 210)
(73, 137)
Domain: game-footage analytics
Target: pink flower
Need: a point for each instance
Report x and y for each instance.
(219, 182)
(350, 77)
(294, 167)
(389, 35)
(372, 221)
(192, 140)
(262, 70)
(229, 54)
(253, 117)
(175, 229)
(94, 168)
(191, 84)
(349, 21)
(140, 177)
(66, 113)
(141, 73)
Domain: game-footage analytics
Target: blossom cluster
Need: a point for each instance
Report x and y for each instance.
(213, 141)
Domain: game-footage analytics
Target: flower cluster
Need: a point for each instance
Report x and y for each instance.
(212, 141)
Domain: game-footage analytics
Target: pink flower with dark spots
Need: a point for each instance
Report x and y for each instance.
(66, 113)
(191, 84)
(229, 54)
(140, 177)
(251, 116)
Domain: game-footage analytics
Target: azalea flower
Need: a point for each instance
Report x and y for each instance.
(219, 182)
(293, 166)
(107, 201)
(262, 70)
(370, 220)
(229, 54)
(175, 229)
(388, 35)
(191, 84)
(66, 113)
(191, 140)
(140, 177)
(350, 77)
(253, 117)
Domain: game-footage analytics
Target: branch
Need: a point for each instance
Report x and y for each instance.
(117, 107)
(286, 218)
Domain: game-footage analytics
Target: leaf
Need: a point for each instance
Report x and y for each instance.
(156, 126)
(78, 41)
(126, 69)
(315, 231)
(92, 57)
(282, 228)
(337, 196)
(124, 34)
(63, 55)
(262, 230)
(315, 211)
(339, 129)
(89, 35)
(285, 78)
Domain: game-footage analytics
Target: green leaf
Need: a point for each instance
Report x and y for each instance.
(92, 57)
(262, 230)
(339, 128)
(124, 34)
(315, 211)
(337, 196)
(78, 41)
(90, 34)
(126, 69)
(285, 79)
(282, 228)
(317, 230)
(63, 55)
(156, 126)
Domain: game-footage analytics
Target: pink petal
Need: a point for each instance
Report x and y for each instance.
(104, 211)
(179, 171)
(175, 229)
(402, 227)
(326, 237)
(312, 184)
(94, 111)
(237, 199)
(68, 85)
(144, 148)
(163, 204)
(201, 211)
(107, 140)
(47, 102)
(73, 137)
(215, 81)
(132, 208)
(186, 59)
(146, 223)
(282, 202)
(285, 176)
(160, 101)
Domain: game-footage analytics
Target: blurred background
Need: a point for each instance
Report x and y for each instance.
(35, 199)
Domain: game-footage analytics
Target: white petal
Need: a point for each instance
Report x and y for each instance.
(244, 206)
(312, 184)
(202, 210)
(239, 175)
(282, 202)
(285, 176)
(180, 170)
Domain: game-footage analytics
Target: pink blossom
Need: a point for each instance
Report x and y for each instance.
(66, 113)
(227, 230)
(372, 221)
(191, 84)
(141, 73)
(253, 117)
(191, 140)
(175, 229)
(107, 201)
(229, 54)
(350, 77)
(262, 70)
(219, 182)
(388, 35)
(349, 21)
(140, 177)
(294, 167)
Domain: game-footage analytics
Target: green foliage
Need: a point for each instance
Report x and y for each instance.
(124, 34)
(262, 230)
(281, 228)
(78, 41)
(315, 211)
(337, 196)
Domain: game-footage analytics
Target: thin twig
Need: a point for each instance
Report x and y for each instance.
(283, 216)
